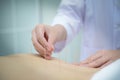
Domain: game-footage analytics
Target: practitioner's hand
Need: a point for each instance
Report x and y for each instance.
(44, 37)
(101, 58)
(43, 40)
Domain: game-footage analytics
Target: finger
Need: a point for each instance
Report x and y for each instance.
(37, 46)
(92, 58)
(47, 56)
(40, 54)
(51, 41)
(106, 64)
(40, 31)
(50, 50)
(98, 63)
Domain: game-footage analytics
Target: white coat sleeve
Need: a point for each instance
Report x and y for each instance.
(71, 15)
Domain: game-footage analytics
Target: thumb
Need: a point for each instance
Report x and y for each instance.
(51, 43)
(49, 49)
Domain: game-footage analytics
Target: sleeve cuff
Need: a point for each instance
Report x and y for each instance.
(62, 20)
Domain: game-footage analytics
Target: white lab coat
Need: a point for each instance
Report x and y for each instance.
(99, 21)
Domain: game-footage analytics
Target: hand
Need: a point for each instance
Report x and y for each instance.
(43, 40)
(101, 58)
(44, 37)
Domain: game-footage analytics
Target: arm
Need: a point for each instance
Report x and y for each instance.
(71, 15)
(65, 26)
(32, 67)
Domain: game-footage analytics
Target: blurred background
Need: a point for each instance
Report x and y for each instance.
(19, 17)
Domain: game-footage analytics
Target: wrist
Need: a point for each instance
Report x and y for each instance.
(60, 32)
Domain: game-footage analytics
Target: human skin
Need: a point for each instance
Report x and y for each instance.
(45, 36)
(45, 46)
(101, 59)
(33, 67)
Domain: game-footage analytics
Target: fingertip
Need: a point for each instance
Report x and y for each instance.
(47, 56)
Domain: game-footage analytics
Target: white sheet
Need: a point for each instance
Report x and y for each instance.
(111, 72)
